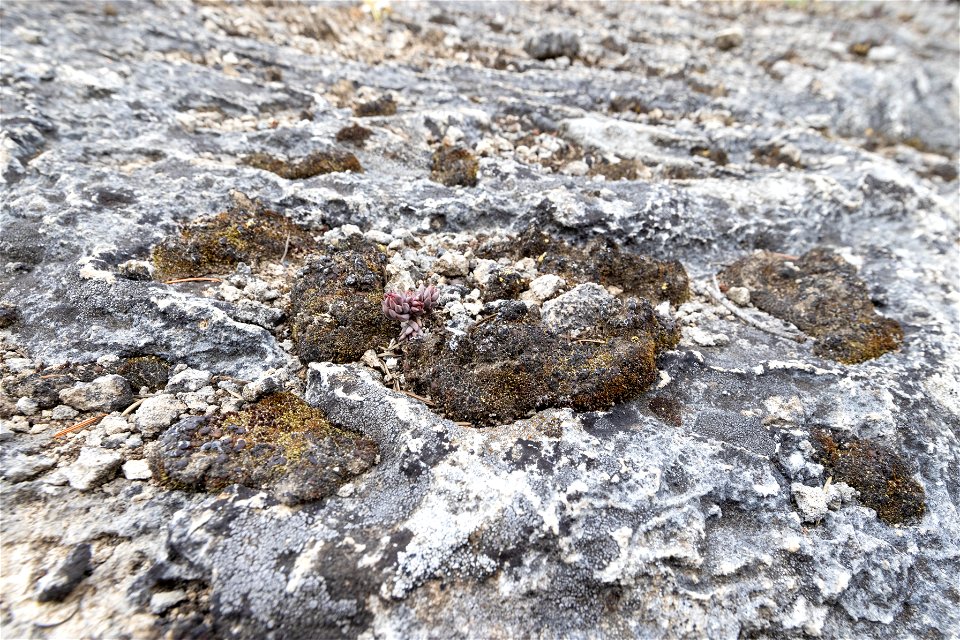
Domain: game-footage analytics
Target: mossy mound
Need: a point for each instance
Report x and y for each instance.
(280, 445)
(454, 166)
(217, 244)
(821, 294)
(623, 170)
(880, 475)
(382, 106)
(505, 284)
(315, 164)
(336, 305)
(145, 371)
(601, 261)
(8, 315)
(510, 365)
(354, 134)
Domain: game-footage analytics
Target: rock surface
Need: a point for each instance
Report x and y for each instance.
(104, 393)
(230, 188)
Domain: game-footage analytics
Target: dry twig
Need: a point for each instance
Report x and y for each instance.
(179, 280)
(423, 399)
(133, 406)
(79, 425)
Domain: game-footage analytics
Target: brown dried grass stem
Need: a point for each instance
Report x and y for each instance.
(179, 280)
(80, 425)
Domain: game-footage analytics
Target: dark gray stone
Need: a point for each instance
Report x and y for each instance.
(61, 580)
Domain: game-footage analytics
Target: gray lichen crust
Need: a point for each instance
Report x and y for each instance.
(690, 366)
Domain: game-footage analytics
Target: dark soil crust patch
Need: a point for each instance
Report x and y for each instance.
(821, 294)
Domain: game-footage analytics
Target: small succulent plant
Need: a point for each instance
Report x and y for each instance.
(409, 308)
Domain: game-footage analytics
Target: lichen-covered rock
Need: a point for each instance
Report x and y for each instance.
(63, 578)
(93, 467)
(552, 44)
(583, 307)
(512, 363)
(157, 412)
(105, 393)
(821, 294)
(188, 380)
(811, 501)
(216, 245)
(25, 467)
(669, 515)
(336, 306)
(279, 444)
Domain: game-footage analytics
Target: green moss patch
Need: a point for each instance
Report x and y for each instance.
(821, 294)
(336, 305)
(280, 444)
(510, 364)
(314, 164)
(217, 244)
(880, 475)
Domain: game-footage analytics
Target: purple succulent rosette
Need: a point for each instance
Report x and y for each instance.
(409, 307)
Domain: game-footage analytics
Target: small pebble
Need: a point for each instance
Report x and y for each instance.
(136, 470)
(63, 412)
(739, 295)
(27, 406)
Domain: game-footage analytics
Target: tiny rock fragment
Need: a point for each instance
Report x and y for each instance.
(60, 581)
(92, 468)
(136, 470)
